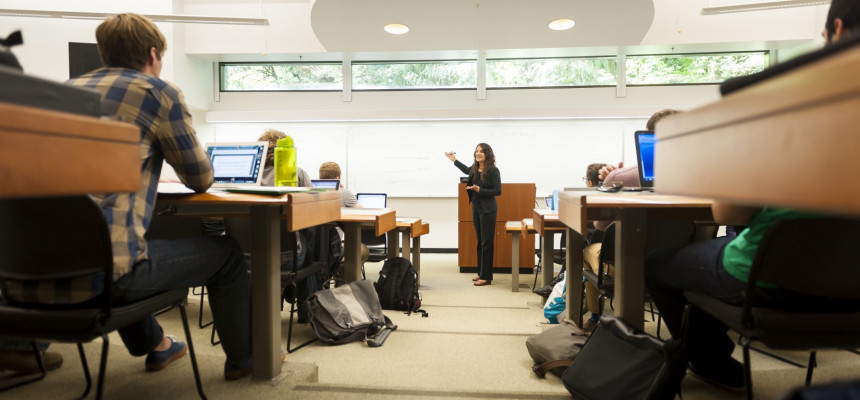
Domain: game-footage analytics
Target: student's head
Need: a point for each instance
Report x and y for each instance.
(271, 136)
(843, 17)
(652, 122)
(329, 170)
(130, 41)
(592, 173)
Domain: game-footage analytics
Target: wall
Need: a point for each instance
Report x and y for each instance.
(216, 115)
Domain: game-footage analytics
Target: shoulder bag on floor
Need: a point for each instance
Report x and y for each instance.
(554, 349)
(349, 313)
(619, 362)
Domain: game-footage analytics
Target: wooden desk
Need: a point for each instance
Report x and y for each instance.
(546, 224)
(300, 210)
(792, 140)
(51, 153)
(631, 211)
(411, 229)
(381, 220)
(516, 229)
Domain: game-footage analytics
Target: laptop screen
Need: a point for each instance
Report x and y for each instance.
(372, 200)
(326, 183)
(237, 163)
(645, 141)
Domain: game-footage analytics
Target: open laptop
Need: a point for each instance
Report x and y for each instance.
(326, 183)
(372, 200)
(645, 141)
(237, 163)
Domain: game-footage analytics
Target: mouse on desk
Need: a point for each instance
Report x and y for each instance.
(616, 187)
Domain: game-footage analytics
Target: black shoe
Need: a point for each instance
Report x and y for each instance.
(728, 375)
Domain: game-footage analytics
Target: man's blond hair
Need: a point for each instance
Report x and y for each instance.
(329, 170)
(271, 136)
(125, 41)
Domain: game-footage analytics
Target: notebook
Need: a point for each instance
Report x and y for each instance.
(326, 183)
(645, 141)
(237, 163)
(372, 200)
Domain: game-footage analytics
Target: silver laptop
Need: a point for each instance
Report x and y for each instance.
(237, 163)
(372, 200)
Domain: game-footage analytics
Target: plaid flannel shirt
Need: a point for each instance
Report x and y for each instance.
(158, 108)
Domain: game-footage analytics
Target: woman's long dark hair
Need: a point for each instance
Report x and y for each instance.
(489, 160)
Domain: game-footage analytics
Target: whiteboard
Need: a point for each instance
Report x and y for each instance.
(406, 159)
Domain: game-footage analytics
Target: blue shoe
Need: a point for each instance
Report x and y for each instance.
(158, 360)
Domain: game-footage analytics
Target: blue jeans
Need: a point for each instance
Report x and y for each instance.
(698, 267)
(216, 262)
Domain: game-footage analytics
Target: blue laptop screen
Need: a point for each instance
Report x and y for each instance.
(236, 163)
(326, 183)
(645, 142)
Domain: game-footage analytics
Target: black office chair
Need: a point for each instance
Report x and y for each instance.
(604, 282)
(57, 240)
(312, 275)
(377, 246)
(815, 263)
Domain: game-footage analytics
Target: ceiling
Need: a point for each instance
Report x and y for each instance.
(356, 26)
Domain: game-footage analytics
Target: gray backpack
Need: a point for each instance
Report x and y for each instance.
(347, 314)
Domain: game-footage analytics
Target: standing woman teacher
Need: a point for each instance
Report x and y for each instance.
(483, 186)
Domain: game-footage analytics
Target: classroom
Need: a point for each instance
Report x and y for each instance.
(392, 137)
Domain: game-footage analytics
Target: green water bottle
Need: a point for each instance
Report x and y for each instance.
(285, 163)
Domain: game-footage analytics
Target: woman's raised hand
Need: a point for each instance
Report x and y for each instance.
(450, 155)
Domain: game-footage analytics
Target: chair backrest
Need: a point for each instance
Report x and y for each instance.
(54, 239)
(814, 256)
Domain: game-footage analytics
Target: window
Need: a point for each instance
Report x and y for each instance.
(551, 72)
(692, 68)
(281, 76)
(414, 75)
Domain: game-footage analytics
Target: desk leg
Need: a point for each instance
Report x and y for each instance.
(405, 252)
(352, 251)
(573, 267)
(416, 257)
(548, 267)
(630, 265)
(266, 291)
(393, 244)
(515, 262)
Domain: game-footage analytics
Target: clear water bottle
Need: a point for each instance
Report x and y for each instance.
(285, 163)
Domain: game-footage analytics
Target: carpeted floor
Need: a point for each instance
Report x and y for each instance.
(472, 345)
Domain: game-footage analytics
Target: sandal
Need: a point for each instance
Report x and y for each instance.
(476, 278)
(481, 282)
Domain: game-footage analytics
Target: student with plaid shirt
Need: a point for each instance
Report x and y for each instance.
(131, 47)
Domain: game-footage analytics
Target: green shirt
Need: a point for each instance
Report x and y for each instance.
(739, 253)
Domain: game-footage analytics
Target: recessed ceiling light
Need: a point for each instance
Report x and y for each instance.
(562, 24)
(396, 29)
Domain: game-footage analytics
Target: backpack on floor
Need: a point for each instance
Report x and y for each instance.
(397, 286)
(348, 313)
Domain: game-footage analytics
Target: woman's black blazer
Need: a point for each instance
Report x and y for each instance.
(485, 200)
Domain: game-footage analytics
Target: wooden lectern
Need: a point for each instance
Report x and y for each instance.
(516, 202)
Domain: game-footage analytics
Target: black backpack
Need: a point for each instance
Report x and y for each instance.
(397, 286)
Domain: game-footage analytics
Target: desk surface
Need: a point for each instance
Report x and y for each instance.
(383, 219)
(307, 208)
(788, 141)
(580, 207)
(50, 153)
